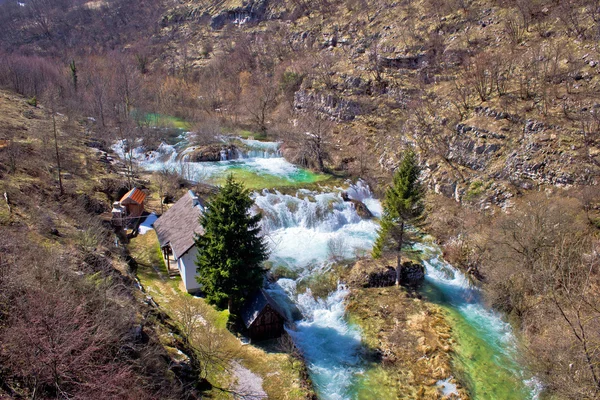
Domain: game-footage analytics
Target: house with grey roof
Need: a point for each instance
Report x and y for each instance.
(176, 230)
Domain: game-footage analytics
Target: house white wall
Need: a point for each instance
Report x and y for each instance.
(187, 269)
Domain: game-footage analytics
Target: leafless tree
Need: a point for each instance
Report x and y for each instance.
(312, 139)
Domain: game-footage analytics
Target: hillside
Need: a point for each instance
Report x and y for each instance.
(500, 99)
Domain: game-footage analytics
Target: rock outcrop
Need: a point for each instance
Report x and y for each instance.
(411, 274)
(334, 106)
(372, 274)
(213, 152)
(367, 274)
(252, 11)
(361, 209)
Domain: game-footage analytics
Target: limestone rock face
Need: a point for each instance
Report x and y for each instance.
(334, 106)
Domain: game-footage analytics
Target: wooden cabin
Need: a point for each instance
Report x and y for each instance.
(133, 201)
(263, 317)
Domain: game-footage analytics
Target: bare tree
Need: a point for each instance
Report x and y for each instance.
(312, 139)
(260, 100)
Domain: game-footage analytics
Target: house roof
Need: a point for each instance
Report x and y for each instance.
(135, 195)
(179, 225)
(256, 305)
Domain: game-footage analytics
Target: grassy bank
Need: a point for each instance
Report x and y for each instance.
(207, 328)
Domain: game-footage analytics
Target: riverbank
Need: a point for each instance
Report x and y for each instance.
(406, 351)
(223, 358)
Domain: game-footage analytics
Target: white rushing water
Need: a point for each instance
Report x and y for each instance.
(259, 157)
(303, 232)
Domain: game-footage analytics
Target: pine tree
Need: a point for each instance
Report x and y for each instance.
(231, 251)
(403, 206)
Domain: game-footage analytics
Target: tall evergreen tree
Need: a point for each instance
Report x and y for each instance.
(403, 206)
(231, 251)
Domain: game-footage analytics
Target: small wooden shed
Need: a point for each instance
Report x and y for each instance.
(263, 317)
(133, 201)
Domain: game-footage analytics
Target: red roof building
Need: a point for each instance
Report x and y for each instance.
(133, 201)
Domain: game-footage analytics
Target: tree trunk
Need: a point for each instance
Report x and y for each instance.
(399, 254)
(57, 155)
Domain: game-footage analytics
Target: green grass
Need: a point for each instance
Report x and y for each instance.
(273, 367)
(165, 121)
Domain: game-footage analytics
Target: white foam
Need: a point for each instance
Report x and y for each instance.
(329, 345)
(314, 221)
(300, 229)
(447, 387)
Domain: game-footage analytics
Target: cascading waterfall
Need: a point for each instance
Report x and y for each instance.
(301, 229)
(314, 220)
(260, 158)
(258, 149)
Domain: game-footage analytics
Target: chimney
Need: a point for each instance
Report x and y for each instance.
(195, 200)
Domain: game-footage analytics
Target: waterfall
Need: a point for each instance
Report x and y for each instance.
(314, 220)
(299, 229)
(258, 149)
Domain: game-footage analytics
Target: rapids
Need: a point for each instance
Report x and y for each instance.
(258, 164)
(305, 230)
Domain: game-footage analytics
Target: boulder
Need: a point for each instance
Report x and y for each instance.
(368, 273)
(411, 274)
(361, 209)
(212, 152)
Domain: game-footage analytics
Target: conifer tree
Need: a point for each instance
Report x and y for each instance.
(402, 206)
(231, 250)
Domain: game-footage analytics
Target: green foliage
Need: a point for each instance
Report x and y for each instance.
(32, 101)
(403, 205)
(230, 252)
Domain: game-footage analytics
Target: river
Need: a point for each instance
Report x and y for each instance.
(304, 228)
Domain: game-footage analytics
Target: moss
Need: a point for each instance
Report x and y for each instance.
(254, 180)
(407, 341)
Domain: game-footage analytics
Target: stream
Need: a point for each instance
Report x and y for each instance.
(304, 228)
